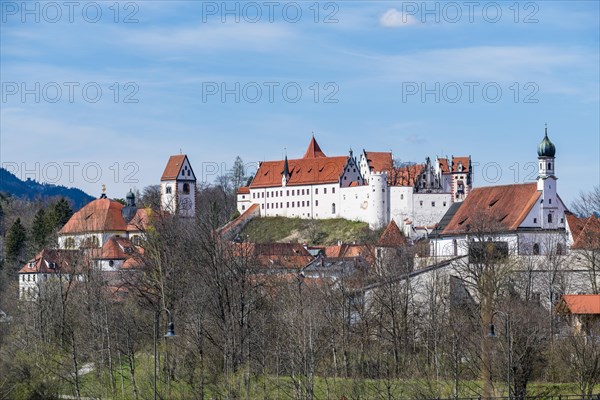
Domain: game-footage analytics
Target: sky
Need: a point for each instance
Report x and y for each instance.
(103, 92)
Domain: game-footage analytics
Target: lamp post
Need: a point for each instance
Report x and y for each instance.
(170, 333)
(492, 334)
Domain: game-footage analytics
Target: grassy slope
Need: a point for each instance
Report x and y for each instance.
(321, 232)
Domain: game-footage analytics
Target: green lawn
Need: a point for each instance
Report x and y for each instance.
(314, 232)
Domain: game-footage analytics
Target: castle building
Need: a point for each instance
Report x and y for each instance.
(529, 218)
(369, 189)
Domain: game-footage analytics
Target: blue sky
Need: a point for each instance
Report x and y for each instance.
(456, 78)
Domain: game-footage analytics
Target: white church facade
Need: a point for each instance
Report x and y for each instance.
(530, 218)
(369, 188)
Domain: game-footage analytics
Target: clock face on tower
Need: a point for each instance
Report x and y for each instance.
(185, 203)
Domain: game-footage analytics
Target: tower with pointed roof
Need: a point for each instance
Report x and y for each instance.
(178, 187)
(546, 182)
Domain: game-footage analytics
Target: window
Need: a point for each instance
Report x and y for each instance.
(444, 204)
(332, 190)
(293, 192)
(186, 188)
(70, 243)
(316, 190)
(549, 201)
(287, 204)
(535, 220)
(401, 197)
(433, 204)
(559, 249)
(267, 194)
(333, 208)
(287, 192)
(325, 190)
(243, 207)
(536, 249)
(137, 241)
(421, 203)
(168, 189)
(262, 195)
(455, 247)
(253, 195)
(316, 202)
(549, 166)
(549, 218)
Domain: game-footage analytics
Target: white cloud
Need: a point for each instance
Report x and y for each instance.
(393, 18)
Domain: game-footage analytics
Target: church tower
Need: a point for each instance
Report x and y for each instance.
(178, 187)
(546, 183)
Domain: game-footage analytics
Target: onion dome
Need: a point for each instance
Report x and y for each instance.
(546, 147)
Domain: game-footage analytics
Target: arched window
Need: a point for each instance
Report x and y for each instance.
(333, 208)
(559, 249)
(536, 249)
(186, 188)
(168, 189)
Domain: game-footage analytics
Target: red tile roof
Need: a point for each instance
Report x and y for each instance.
(507, 205)
(464, 160)
(243, 190)
(582, 303)
(140, 221)
(444, 165)
(274, 255)
(585, 231)
(379, 160)
(60, 260)
(313, 151)
(173, 167)
(391, 236)
(405, 176)
(115, 248)
(304, 171)
(97, 216)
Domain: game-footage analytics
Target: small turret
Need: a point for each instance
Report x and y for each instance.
(128, 212)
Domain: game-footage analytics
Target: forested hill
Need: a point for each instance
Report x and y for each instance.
(31, 189)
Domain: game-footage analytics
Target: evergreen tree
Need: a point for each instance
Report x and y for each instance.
(61, 212)
(15, 240)
(42, 227)
(1, 220)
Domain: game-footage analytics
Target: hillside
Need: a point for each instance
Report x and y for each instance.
(32, 190)
(313, 232)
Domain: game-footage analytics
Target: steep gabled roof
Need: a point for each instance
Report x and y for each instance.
(391, 236)
(582, 303)
(507, 205)
(379, 160)
(174, 166)
(100, 215)
(465, 161)
(313, 150)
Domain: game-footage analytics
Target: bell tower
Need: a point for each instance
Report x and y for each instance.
(178, 187)
(546, 182)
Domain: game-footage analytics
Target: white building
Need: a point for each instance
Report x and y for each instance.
(529, 218)
(370, 189)
(106, 235)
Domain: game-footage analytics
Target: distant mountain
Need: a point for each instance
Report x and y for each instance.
(31, 189)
